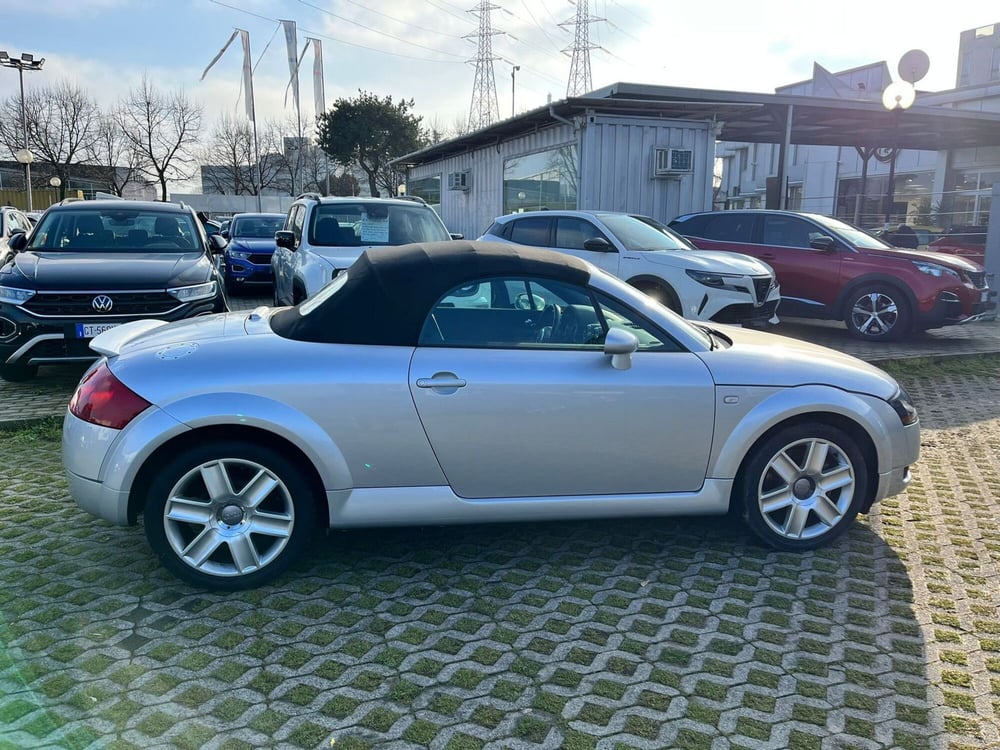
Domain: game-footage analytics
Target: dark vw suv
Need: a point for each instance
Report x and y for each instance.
(830, 269)
(89, 266)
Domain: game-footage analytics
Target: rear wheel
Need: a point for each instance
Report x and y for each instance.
(18, 373)
(877, 313)
(228, 515)
(802, 487)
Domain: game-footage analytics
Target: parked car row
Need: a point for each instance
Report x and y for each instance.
(725, 267)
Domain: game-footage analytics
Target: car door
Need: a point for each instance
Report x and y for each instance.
(571, 234)
(809, 277)
(520, 402)
(283, 260)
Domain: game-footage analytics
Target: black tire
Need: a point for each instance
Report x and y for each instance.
(804, 507)
(18, 373)
(877, 313)
(662, 294)
(229, 522)
(298, 295)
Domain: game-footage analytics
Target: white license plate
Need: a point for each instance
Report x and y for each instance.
(89, 330)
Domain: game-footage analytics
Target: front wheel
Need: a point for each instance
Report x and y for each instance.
(228, 515)
(802, 487)
(877, 313)
(664, 295)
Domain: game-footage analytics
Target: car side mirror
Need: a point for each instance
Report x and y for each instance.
(217, 243)
(225, 233)
(18, 241)
(457, 236)
(823, 243)
(598, 245)
(620, 345)
(285, 238)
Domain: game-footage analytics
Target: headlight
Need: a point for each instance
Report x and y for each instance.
(718, 280)
(196, 292)
(241, 254)
(903, 406)
(11, 295)
(933, 269)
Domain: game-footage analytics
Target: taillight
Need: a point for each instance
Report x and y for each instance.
(102, 399)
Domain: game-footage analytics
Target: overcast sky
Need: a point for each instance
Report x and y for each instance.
(417, 48)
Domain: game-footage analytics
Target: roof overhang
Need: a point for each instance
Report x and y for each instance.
(749, 117)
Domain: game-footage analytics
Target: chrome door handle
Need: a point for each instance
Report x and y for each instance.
(440, 383)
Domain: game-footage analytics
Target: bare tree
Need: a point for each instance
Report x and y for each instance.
(115, 153)
(163, 128)
(63, 125)
(227, 161)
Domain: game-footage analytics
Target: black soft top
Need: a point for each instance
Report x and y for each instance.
(390, 290)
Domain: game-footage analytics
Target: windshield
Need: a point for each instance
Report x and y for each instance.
(256, 227)
(118, 229)
(850, 233)
(643, 233)
(367, 224)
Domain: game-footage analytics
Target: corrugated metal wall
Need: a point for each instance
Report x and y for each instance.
(615, 170)
(471, 212)
(616, 166)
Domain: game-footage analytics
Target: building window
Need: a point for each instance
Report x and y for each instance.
(541, 181)
(428, 188)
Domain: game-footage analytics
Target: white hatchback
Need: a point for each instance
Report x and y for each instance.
(720, 286)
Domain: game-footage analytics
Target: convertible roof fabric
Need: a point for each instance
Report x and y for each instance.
(390, 290)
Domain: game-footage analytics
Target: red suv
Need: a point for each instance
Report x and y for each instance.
(968, 242)
(833, 270)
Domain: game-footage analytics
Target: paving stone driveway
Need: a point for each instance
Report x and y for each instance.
(625, 634)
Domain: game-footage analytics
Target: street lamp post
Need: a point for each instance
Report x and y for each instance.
(513, 74)
(25, 62)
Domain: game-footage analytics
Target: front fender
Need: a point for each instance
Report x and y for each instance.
(314, 275)
(758, 410)
(250, 410)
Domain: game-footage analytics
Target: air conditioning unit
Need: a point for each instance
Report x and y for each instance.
(669, 162)
(459, 180)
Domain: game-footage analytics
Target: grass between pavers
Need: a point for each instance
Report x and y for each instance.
(628, 634)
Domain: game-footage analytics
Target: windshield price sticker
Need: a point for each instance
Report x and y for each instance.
(375, 229)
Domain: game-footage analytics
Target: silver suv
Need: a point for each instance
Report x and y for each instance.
(324, 235)
(720, 286)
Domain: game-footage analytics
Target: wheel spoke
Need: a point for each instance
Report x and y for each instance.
(271, 525)
(202, 546)
(816, 457)
(778, 500)
(216, 480)
(828, 512)
(841, 476)
(188, 511)
(258, 489)
(796, 521)
(785, 467)
(244, 553)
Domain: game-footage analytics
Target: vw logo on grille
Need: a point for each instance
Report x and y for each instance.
(102, 303)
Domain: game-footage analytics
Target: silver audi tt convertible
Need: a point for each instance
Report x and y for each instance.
(464, 382)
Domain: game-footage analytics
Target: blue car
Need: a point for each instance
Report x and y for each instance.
(251, 244)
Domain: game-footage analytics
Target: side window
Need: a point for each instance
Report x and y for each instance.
(572, 232)
(532, 313)
(296, 221)
(788, 231)
(729, 227)
(532, 231)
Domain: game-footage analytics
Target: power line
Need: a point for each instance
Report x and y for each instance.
(401, 21)
(329, 38)
(375, 31)
(580, 81)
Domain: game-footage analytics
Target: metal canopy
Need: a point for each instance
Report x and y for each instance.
(752, 118)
